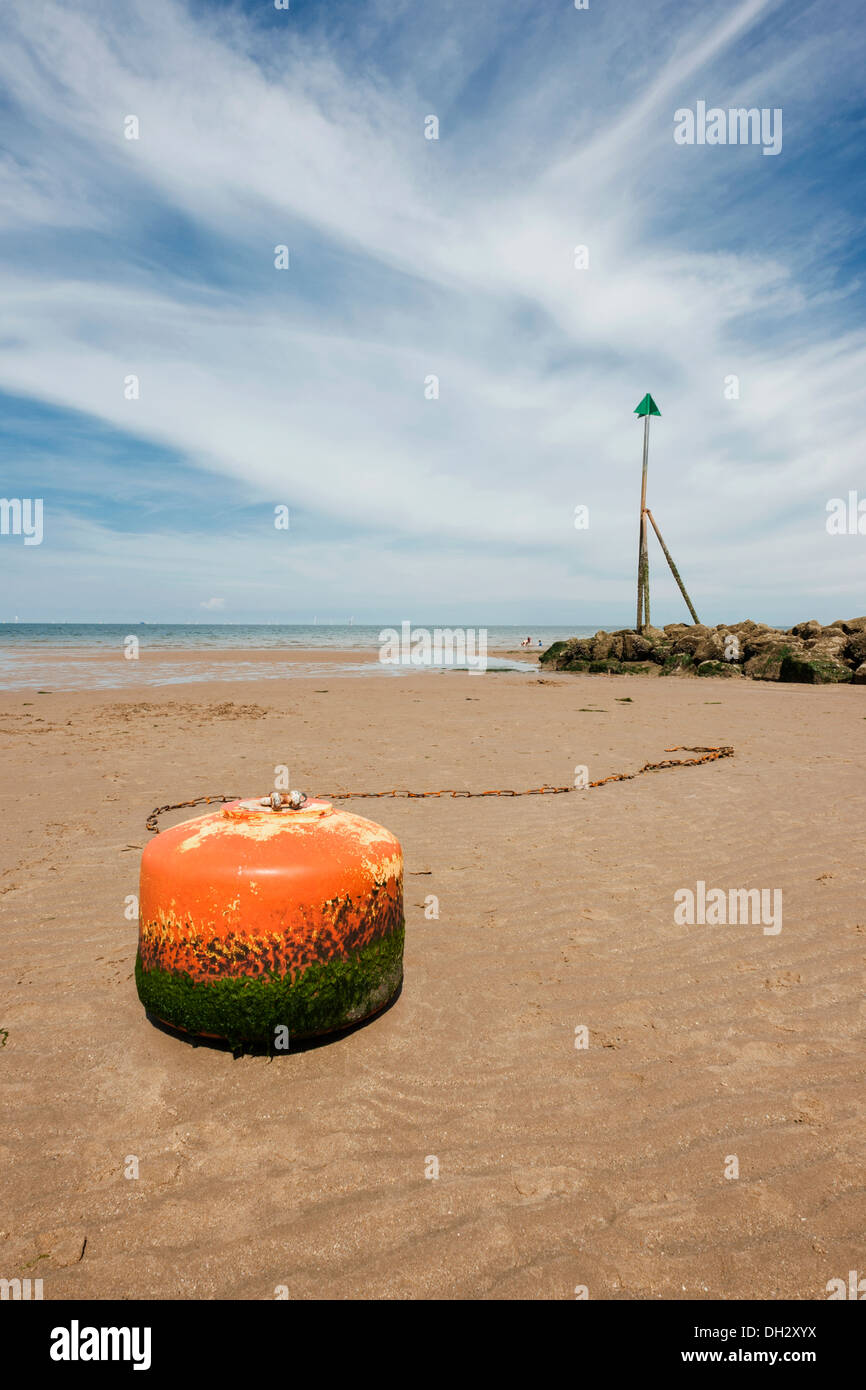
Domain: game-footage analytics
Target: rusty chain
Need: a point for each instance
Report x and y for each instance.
(179, 805)
(706, 755)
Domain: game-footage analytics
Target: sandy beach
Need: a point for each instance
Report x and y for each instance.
(560, 1166)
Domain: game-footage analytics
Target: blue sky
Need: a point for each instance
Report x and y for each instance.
(410, 258)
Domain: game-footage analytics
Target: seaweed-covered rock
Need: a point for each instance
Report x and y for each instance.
(661, 653)
(635, 647)
(719, 668)
(764, 663)
(811, 669)
(677, 663)
(806, 653)
(573, 655)
(552, 654)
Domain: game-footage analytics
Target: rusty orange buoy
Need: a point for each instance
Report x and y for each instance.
(281, 913)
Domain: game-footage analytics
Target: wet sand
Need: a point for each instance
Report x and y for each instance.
(559, 1166)
(88, 668)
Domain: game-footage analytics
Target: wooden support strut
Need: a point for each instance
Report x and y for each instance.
(674, 571)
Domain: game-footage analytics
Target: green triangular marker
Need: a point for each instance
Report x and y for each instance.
(647, 406)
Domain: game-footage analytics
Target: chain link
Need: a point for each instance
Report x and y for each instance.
(155, 814)
(706, 755)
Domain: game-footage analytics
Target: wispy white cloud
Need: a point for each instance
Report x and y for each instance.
(412, 258)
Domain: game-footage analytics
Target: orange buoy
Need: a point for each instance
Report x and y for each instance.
(282, 913)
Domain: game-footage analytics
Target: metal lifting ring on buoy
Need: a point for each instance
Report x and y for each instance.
(293, 802)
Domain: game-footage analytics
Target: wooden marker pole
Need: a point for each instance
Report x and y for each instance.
(643, 613)
(646, 408)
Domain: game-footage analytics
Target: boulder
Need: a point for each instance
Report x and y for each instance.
(718, 668)
(603, 644)
(860, 674)
(747, 625)
(755, 641)
(679, 664)
(855, 650)
(635, 647)
(686, 640)
(731, 643)
(570, 655)
(661, 653)
(809, 668)
(764, 657)
(765, 667)
(709, 647)
(830, 643)
(810, 629)
(850, 624)
(674, 628)
(551, 655)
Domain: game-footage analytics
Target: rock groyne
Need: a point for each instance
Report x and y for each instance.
(807, 653)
